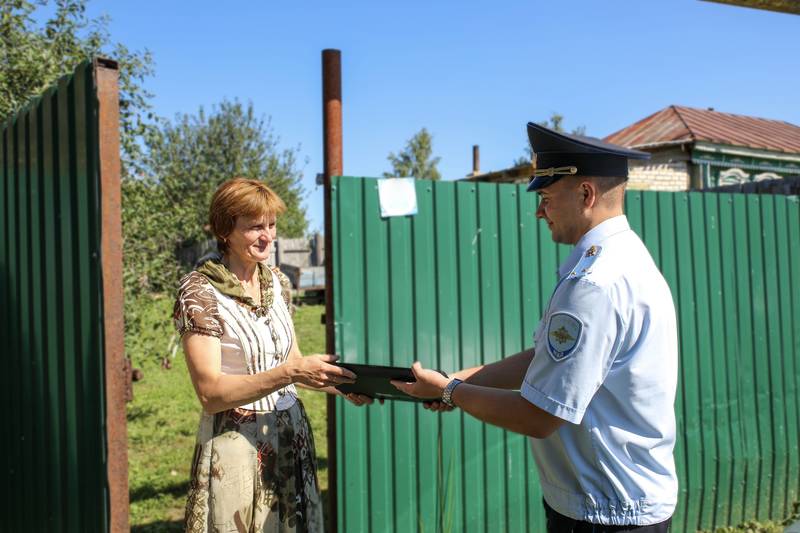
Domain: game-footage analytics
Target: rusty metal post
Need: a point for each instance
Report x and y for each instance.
(476, 160)
(332, 146)
(117, 376)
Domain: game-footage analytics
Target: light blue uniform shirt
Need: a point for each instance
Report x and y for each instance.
(607, 362)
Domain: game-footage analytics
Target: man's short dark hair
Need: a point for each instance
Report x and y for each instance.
(606, 184)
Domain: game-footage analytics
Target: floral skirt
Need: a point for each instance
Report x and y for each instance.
(254, 471)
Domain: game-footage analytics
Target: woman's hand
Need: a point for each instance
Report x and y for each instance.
(357, 399)
(317, 371)
(437, 406)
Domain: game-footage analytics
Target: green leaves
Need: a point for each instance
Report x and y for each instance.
(416, 159)
(170, 169)
(35, 55)
(187, 159)
(194, 154)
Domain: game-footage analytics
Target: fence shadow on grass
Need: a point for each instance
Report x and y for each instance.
(161, 526)
(179, 490)
(166, 526)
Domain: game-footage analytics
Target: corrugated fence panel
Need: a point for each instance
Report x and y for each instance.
(790, 365)
(731, 348)
(717, 361)
(793, 326)
(464, 282)
(50, 294)
(449, 445)
(474, 505)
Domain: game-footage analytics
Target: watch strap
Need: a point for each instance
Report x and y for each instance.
(447, 393)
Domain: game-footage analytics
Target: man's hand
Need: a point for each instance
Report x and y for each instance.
(429, 384)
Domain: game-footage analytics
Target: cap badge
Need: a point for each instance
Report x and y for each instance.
(553, 171)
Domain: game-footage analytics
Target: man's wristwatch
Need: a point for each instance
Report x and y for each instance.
(447, 393)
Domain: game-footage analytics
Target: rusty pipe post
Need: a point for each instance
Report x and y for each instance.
(476, 160)
(332, 111)
(332, 146)
(117, 376)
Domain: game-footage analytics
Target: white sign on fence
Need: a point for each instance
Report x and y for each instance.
(398, 197)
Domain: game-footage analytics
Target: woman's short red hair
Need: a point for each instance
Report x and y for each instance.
(240, 197)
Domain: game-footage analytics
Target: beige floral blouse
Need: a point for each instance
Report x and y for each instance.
(252, 340)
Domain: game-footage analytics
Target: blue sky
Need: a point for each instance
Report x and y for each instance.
(471, 72)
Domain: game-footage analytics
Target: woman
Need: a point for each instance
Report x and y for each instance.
(254, 467)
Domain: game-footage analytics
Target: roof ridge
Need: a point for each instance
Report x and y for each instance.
(692, 134)
(640, 121)
(690, 125)
(732, 115)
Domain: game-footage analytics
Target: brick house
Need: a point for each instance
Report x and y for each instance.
(695, 149)
(702, 148)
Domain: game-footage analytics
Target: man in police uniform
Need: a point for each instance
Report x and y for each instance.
(596, 393)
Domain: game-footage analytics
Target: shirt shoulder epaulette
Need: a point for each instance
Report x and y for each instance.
(586, 262)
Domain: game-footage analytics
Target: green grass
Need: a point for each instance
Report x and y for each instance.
(163, 417)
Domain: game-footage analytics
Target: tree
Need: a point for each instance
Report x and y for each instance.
(554, 123)
(40, 41)
(34, 55)
(416, 159)
(189, 158)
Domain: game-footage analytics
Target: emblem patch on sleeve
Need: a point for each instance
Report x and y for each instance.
(563, 335)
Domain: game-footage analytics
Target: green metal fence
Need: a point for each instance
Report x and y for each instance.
(53, 451)
(464, 282)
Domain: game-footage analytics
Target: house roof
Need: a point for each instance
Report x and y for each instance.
(678, 125)
(784, 6)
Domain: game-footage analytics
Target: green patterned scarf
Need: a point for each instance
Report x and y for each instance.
(228, 284)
